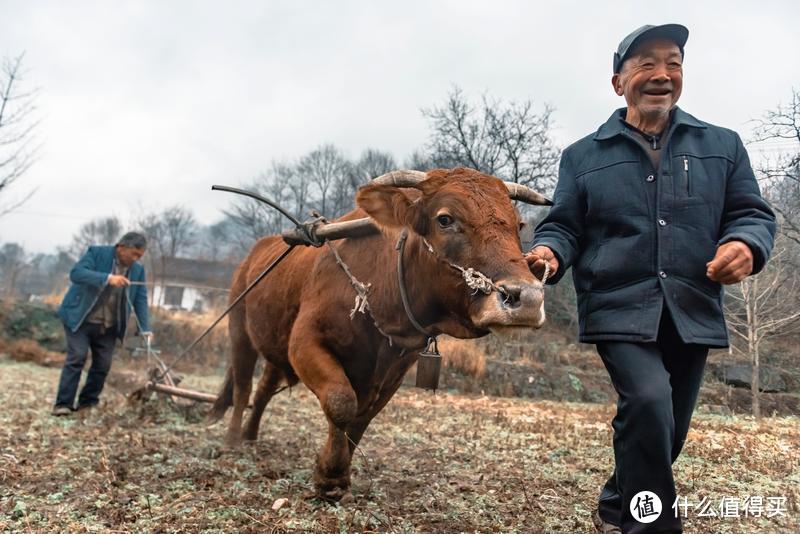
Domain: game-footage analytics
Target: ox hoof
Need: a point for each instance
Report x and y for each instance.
(340, 495)
(233, 441)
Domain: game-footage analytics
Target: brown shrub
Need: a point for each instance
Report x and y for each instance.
(463, 355)
(174, 331)
(27, 350)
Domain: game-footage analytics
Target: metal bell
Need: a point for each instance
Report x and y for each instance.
(429, 366)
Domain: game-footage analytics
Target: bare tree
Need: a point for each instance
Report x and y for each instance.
(100, 231)
(760, 307)
(251, 220)
(780, 128)
(323, 180)
(371, 164)
(169, 232)
(215, 242)
(510, 140)
(419, 160)
(13, 261)
(179, 227)
(324, 167)
(17, 124)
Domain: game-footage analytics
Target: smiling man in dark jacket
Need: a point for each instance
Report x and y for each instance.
(95, 314)
(653, 212)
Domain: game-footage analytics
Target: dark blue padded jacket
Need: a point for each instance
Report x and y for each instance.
(638, 237)
(89, 277)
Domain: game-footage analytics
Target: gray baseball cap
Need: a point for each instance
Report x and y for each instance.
(674, 32)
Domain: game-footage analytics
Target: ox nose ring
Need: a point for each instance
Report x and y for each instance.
(510, 295)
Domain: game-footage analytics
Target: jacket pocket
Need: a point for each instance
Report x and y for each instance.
(687, 178)
(591, 263)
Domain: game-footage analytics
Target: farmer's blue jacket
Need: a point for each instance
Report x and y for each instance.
(638, 238)
(89, 277)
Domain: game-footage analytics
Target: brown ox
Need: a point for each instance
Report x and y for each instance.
(299, 319)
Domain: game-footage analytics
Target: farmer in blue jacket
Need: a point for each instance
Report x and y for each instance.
(95, 313)
(654, 212)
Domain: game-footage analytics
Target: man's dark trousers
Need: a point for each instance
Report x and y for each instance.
(657, 384)
(101, 342)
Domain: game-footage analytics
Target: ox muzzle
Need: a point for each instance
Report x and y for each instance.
(522, 306)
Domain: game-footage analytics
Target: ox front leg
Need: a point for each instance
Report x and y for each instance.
(332, 472)
(322, 373)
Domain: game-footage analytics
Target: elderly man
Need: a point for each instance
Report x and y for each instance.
(95, 313)
(654, 212)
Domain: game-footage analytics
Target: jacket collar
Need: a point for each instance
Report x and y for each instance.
(615, 124)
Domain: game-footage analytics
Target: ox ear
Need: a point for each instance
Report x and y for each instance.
(390, 206)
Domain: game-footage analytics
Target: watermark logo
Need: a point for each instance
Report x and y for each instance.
(732, 507)
(645, 507)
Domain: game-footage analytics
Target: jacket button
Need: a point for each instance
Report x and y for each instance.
(662, 274)
(662, 222)
(651, 178)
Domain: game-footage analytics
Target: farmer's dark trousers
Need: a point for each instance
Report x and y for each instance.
(101, 342)
(657, 384)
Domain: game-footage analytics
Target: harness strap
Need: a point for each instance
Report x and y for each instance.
(401, 275)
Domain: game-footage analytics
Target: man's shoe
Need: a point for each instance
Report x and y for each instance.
(61, 410)
(603, 526)
(85, 409)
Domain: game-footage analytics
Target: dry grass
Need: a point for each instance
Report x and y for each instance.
(430, 463)
(463, 355)
(27, 350)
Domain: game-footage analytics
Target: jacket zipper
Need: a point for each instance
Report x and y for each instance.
(686, 175)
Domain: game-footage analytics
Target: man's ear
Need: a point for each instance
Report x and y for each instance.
(390, 206)
(617, 84)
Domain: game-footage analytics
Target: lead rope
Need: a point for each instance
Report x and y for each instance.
(546, 274)
(475, 280)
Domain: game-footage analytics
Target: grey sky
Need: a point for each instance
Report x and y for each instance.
(149, 103)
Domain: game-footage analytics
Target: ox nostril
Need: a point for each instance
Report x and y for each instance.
(511, 295)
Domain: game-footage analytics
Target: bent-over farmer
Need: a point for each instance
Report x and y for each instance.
(654, 212)
(95, 314)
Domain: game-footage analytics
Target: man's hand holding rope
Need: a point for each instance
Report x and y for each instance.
(539, 259)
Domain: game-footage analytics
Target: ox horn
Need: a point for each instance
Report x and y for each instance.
(516, 191)
(523, 193)
(400, 178)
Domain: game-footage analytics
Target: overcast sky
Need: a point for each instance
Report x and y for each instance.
(149, 103)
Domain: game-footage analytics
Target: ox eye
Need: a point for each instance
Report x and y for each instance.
(444, 220)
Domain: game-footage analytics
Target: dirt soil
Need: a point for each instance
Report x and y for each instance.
(429, 463)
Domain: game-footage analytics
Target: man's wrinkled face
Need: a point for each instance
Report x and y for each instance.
(651, 79)
(126, 256)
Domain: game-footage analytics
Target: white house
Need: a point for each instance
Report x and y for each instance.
(193, 285)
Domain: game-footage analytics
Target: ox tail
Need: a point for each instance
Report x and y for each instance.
(224, 399)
